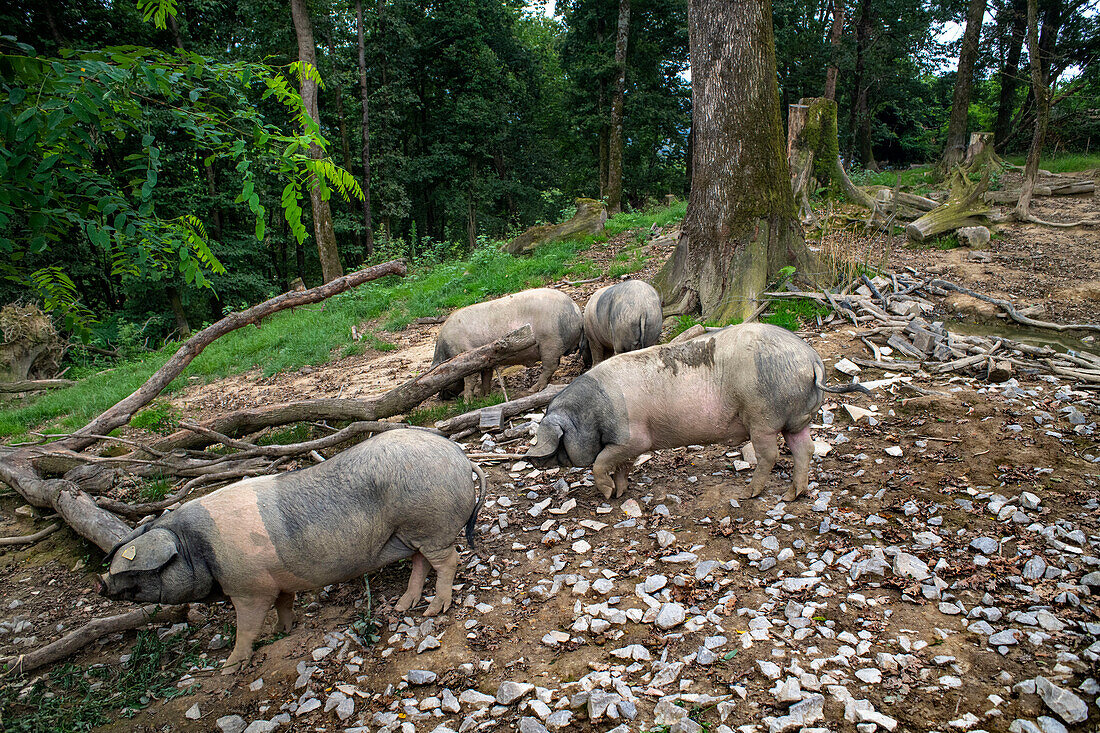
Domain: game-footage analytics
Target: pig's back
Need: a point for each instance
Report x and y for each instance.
(551, 314)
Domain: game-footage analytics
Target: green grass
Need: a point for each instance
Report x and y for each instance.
(73, 698)
(429, 416)
(916, 179)
(626, 262)
(795, 313)
(945, 242)
(155, 489)
(1061, 163)
(158, 418)
(312, 335)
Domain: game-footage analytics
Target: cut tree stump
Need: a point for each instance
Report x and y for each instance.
(813, 154)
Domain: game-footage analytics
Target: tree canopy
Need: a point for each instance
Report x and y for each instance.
(156, 154)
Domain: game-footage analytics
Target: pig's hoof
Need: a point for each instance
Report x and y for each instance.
(234, 668)
(405, 604)
(793, 494)
(436, 608)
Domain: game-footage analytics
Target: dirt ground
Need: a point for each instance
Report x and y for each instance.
(808, 591)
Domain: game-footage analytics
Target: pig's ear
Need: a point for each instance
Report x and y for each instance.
(151, 551)
(137, 532)
(546, 441)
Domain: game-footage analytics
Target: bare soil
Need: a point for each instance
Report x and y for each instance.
(966, 445)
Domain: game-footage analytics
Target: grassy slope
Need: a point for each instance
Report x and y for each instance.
(1062, 163)
(315, 334)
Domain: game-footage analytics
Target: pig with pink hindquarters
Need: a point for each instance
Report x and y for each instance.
(750, 381)
(259, 541)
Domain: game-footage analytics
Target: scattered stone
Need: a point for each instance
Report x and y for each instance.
(421, 677)
(231, 724)
(670, 616)
(509, 691)
(1069, 707)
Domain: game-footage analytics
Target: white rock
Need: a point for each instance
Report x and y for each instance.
(670, 615)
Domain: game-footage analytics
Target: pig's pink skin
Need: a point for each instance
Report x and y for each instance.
(751, 381)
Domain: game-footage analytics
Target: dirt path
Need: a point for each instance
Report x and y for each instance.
(926, 590)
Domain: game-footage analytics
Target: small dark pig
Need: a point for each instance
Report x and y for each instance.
(555, 322)
(749, 381)
(261, 540)
(622, 317)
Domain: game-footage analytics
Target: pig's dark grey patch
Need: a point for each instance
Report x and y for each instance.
(696, 353)
(569, 330)
(194, 527)
(590, 418)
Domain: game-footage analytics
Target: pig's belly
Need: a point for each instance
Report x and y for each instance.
(695, 413)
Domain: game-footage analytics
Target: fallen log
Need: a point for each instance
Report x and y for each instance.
(910, 367)
(89, 632)
(122, 411)
(35, 385)
(964, 208)
(472, 419)
(396, 401)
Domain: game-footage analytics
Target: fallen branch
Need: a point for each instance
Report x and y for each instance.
(472, 419)
(1013, 313)
(89, 632)
(28, 539)
(34, 385)
(910, 367)
(121, 412)
(396, 401)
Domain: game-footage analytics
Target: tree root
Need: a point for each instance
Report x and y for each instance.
(1013, 313)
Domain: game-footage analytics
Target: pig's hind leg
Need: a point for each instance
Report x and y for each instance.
(251, 611)
(445, 563)
(767, 453)
(416, 584)
(284, 607)
(801, 446)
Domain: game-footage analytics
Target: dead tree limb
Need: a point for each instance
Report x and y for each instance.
(472, 419)
(29, 538)
(964, 207)
(75, 507)
(34, 385)
(89, 632)
(122, 411)
(396, 401)
(1013, 313)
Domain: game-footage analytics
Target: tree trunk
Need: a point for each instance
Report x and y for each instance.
(859, 122)
(368, 246)
(174, 301)
(323, 232)
(1009, 80)
(835, 35)
(741, 226)
(345, 148)
(955, 150)
(1041, 94)
(813, 154)
(615, 142)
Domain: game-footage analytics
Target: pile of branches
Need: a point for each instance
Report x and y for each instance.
(893, 308)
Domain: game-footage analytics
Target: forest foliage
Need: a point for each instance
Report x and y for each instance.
(155, 154)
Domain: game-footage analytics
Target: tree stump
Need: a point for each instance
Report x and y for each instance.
(590, 217)
(813, 155)
(32, 348)
(965, 207)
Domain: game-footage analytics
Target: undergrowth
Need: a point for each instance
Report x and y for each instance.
(314, 334)
(78, 698)
(429, 416)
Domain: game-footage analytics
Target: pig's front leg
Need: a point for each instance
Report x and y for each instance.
(251, 611)
(613, 459)
(486, 382)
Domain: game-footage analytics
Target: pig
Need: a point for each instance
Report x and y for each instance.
(748, 381)
(622, 317)
(261, 540)
(555, 320)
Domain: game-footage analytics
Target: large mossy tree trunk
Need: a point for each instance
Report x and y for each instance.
(325, 235)
(615, 134)
(741, 225)
(955, 150)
